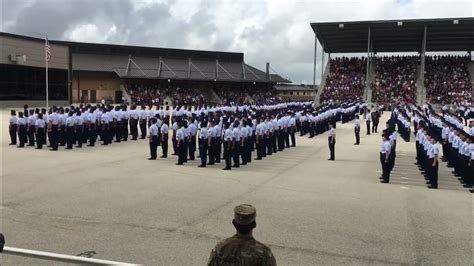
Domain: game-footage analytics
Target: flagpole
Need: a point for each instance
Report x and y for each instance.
(46, 60)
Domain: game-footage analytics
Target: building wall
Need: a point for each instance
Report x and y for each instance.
(34, 52)
(296, 94)
(105, 84)
(23, 80)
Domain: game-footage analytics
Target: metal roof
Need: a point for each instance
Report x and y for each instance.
(172, 68)
(116, 49)
(113, 58)
(288, 87)
(447, 35)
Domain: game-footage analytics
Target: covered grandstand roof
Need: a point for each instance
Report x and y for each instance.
(447, 34)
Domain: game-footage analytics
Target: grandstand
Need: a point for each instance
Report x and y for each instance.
(401, 78)
(89, 72)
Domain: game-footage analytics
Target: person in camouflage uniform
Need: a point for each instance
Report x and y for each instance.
(242, 248)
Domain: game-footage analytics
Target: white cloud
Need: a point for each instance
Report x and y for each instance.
(275, 31)
(90, 33)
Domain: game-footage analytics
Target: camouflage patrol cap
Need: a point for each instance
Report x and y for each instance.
(245, 214)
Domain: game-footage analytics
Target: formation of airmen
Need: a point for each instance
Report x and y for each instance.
(457, 144)
(74, 126)
(231, 133)
(234, 133)
(388, 148)
(427, 153)
(430, 129)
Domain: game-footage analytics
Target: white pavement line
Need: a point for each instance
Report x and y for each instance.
(404, 187)
(59, 257)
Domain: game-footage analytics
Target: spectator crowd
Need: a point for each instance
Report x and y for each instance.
(346, 79)
(447, 79)
(395, 79)
(152, 95)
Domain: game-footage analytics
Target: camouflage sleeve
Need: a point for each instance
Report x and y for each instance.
(212, 258)
(271, 259)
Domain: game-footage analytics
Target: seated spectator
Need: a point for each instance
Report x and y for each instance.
(152, 95)
(395, 79)
(447, 79)
(346, 79)
(252, 95)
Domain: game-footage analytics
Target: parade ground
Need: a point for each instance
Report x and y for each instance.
(111, 203)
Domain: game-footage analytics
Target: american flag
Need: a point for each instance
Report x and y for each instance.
(48, 51)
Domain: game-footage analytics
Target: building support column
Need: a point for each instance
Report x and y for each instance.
(367, 72)
(315, 53)
(422, 66)
(322, 64)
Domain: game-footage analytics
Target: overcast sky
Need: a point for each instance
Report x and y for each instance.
(275, 31)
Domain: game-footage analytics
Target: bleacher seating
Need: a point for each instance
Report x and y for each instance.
(395, 79)
(447, 79)
(346, 79)
(154, 95)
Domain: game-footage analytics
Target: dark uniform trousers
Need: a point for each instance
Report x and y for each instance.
(357, 134)
(466, 174)
(236, 153)
(143, 128)
(185, 149)
(69, 137)
(275, 140)
(259, 147)
(367, 122)
(117, 131)
(280, 138)
(164, 145)
(31, 135)
(228, 154)
(393, 155)
(40, 138)
(471, 175)
(50, 136)
(192, 147)
(45, 140)
(203, 146)
(212, 150)
(218, 150)
(79, 133)
(243, 151)
(385, 168)
(292, 136)
(433, 173)
(269, 143)
(92, 134)
(175, 142)
(22, 135)
(85, 133)
(134, 128)
(104, 134)
(62, 135)
(54, 139)
(286, 133)
(375, 124)
(153, 146)
(248, 149)
(332, 145)
(311, 129)
(12, 131)
(124, 129)
(181, 150)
